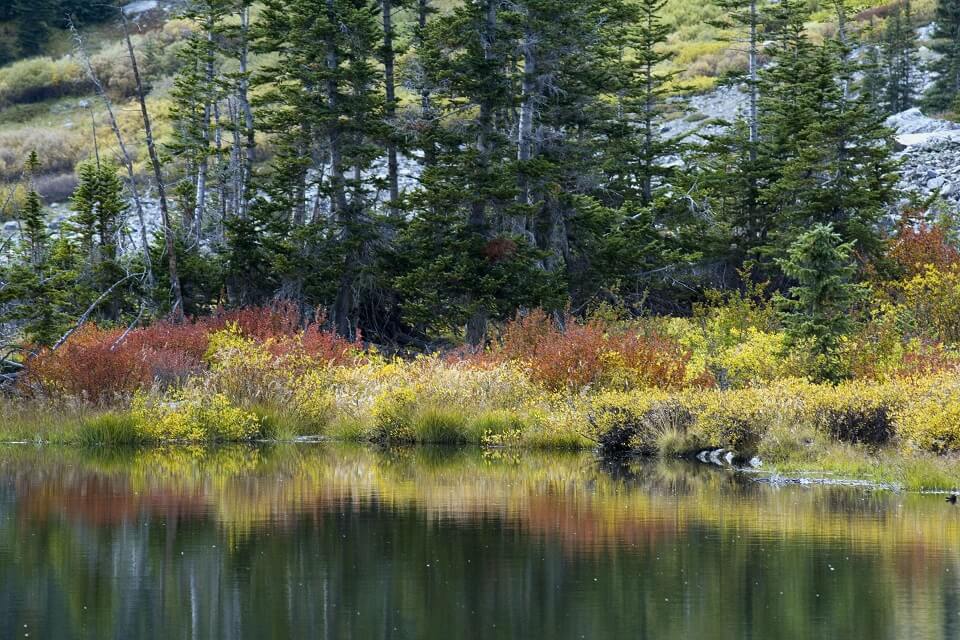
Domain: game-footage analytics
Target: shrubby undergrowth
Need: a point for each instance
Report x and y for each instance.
(669, 387)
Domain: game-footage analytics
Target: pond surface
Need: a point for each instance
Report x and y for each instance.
(333, 541)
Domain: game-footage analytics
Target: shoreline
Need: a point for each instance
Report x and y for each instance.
(770, 475)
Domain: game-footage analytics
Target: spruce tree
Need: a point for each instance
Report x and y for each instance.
(32, 298)
(899, 59)
(946, 42)
(828, 156)
(99, 205)
(817, 312)
(635, 153)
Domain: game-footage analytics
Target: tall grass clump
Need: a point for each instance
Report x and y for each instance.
(110, 429)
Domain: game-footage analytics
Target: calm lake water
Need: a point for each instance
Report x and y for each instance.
(324, 541)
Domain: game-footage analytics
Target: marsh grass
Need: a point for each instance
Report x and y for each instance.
(110, 429)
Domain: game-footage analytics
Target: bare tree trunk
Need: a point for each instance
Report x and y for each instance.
(754, 89)
(178, 310)
(244, 99)
(222, 173)
(204, 165)
(525, 130)
(127, 161)
(343, 307)
(393, 170)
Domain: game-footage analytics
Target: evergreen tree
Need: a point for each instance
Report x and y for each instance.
(946, 42)
(99, 205)
(34, 300)
(635, 153)
(827, 155)
(34, 22)
(817, 313)
(900, 58)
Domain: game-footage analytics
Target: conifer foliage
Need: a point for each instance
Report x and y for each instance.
(414, 172)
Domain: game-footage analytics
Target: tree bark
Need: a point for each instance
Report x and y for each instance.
(525, 129)
(426, 108)
(243, 97)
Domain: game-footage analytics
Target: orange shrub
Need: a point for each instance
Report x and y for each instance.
(577, 354)
(919, 244)
(88, 365)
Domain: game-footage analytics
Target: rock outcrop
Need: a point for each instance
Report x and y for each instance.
(929, 149)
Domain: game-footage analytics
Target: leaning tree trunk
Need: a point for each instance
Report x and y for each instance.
(178, 310)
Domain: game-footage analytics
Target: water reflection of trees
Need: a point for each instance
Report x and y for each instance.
(291, 541)
(242, 487)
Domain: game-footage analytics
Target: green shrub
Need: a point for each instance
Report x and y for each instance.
(645, 424)
(393, 416)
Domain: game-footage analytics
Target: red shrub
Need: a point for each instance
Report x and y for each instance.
(919, 243)
(578, 354)
(94, 363)
(929, 360)
(86, 365)
(281, 319)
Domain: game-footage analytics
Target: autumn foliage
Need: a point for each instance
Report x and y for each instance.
(574, 355)
(920, 244)
(100, 364)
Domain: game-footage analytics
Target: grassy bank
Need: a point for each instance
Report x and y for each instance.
(903, 433)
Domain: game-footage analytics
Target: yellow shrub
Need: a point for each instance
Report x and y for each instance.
(757, 358)
(931, 304)
(244, 370)
(931, 421)
(38, 79)
(733, 419)
(313, 399)
(193, 414)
